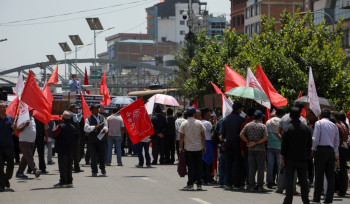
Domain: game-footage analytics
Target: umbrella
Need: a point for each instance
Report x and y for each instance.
(248, 92)
(122, 100)
(164, 99)
(324, 103)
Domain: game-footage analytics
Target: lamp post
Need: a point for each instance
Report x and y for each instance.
(1, 40)
(94, 24)
(65, 47)
(329, 16)
(51, 58)
(76, 41)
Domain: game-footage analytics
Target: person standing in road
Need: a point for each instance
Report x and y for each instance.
(27, 135)
(296, 134)
(159, 125)
(65, 136)
(6, 147)
(96, 126)
(115, 132)
(74, 84)
(192, 141)
(255, 135)
(325, 151)
(75, 120)
(178, 122)
(143, 145)
(170, 138)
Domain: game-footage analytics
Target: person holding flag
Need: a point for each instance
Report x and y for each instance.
(97, 127)
(6, 147)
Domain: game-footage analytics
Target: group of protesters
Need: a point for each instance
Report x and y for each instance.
(312, 150)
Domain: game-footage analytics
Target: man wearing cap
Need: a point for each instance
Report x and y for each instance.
(75, 120)
(27, 135)
(96, 126)
(192, 141)
(74, 84)
(231, 125)
(255, 135)
(64, 135)
(6, 147)
(159, 125)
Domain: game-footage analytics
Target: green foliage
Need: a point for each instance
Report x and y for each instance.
(285, 55)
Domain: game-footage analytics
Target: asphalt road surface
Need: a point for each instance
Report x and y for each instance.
(129, 185)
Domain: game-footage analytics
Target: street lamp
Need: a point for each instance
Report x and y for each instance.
(51, 58)
(65, 47)
(94, 24)
(76, 41)
(1, 40)
(329, 16)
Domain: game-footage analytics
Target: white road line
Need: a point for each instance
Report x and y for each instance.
(200, 200)
(148, 179)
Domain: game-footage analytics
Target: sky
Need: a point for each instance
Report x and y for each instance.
(29, 41)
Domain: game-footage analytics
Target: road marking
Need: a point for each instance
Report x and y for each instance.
(148, 179)
(200, 200)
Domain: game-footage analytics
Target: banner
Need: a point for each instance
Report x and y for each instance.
(312, 94)
(136, 121)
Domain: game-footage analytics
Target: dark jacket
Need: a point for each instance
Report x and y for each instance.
(230, 128)
(159, 124)
(296, 141)
(40, 129)
(92, 138)
(6, 138)
(65, 139)
(170, 130)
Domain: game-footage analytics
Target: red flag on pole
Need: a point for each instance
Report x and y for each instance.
(85, 107)
(195, 104)
(216, 88)
(34, 97)
(12, 108)
(54, 77)
(39, 116)
(137, 121)
(232, 79)
(303, 112)
(275, 98)
(86, 81)
(104, 91)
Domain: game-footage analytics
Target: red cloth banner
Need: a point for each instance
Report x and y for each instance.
(303, 112)
(11, 110)
(104, 91)
(54, 77)
(275, 98)
(85, 107)
(232, 79)
(195, 104)
(136, 121)
(86, 81)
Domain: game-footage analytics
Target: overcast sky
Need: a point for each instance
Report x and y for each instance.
(29, 41)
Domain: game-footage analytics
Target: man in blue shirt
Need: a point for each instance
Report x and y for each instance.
(74, 84)
(6, 147)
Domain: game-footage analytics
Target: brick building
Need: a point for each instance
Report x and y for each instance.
(237, 15)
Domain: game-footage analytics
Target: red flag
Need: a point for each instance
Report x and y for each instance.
(12, 108)
(39, 116)
(104, 91)
(303, 112)
(226, 103)
(347, 115)
(195, 104)
(54, 77)
(85, 107)
(34, 97)
(275, 98)
(86, 81)
(216, 88)
(232, 79)
(137, 121)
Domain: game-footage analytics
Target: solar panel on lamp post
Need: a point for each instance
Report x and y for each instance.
(94, 24)
(65, 47)
(76, 41)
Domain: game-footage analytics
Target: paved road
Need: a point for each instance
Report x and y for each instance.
(130, 185)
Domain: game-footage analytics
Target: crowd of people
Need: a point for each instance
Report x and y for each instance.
(290, 148)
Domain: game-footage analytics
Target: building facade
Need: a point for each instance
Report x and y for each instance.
(237, 15)
(216, 25)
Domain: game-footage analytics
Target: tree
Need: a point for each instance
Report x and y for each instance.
(285, 54)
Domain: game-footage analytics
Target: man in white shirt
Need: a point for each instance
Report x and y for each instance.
(96, 126)
(115, 133)
(208, 157)
(27, 136)
(178, 122)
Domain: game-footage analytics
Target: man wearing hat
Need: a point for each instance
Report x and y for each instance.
(230, 135)
(64, 144)
(96, 126)
(192, 141)
(6, 147)
(255, 135)
(158, 140)
(75, 120)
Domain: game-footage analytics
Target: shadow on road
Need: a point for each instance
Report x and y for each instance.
(49, 188)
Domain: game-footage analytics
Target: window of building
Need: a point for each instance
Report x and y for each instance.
(182, 32)
(252, 27)
(258, 9)
(182, 22)
(222, 25)
(247, 28)
(242, 19)
(252, 10)
(234, 21)
(238, 21)
(247, 13)
(257, 27)
(181, 11)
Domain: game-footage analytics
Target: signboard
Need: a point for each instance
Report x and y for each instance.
(213, 101)
(95, 72)
(65, 85)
